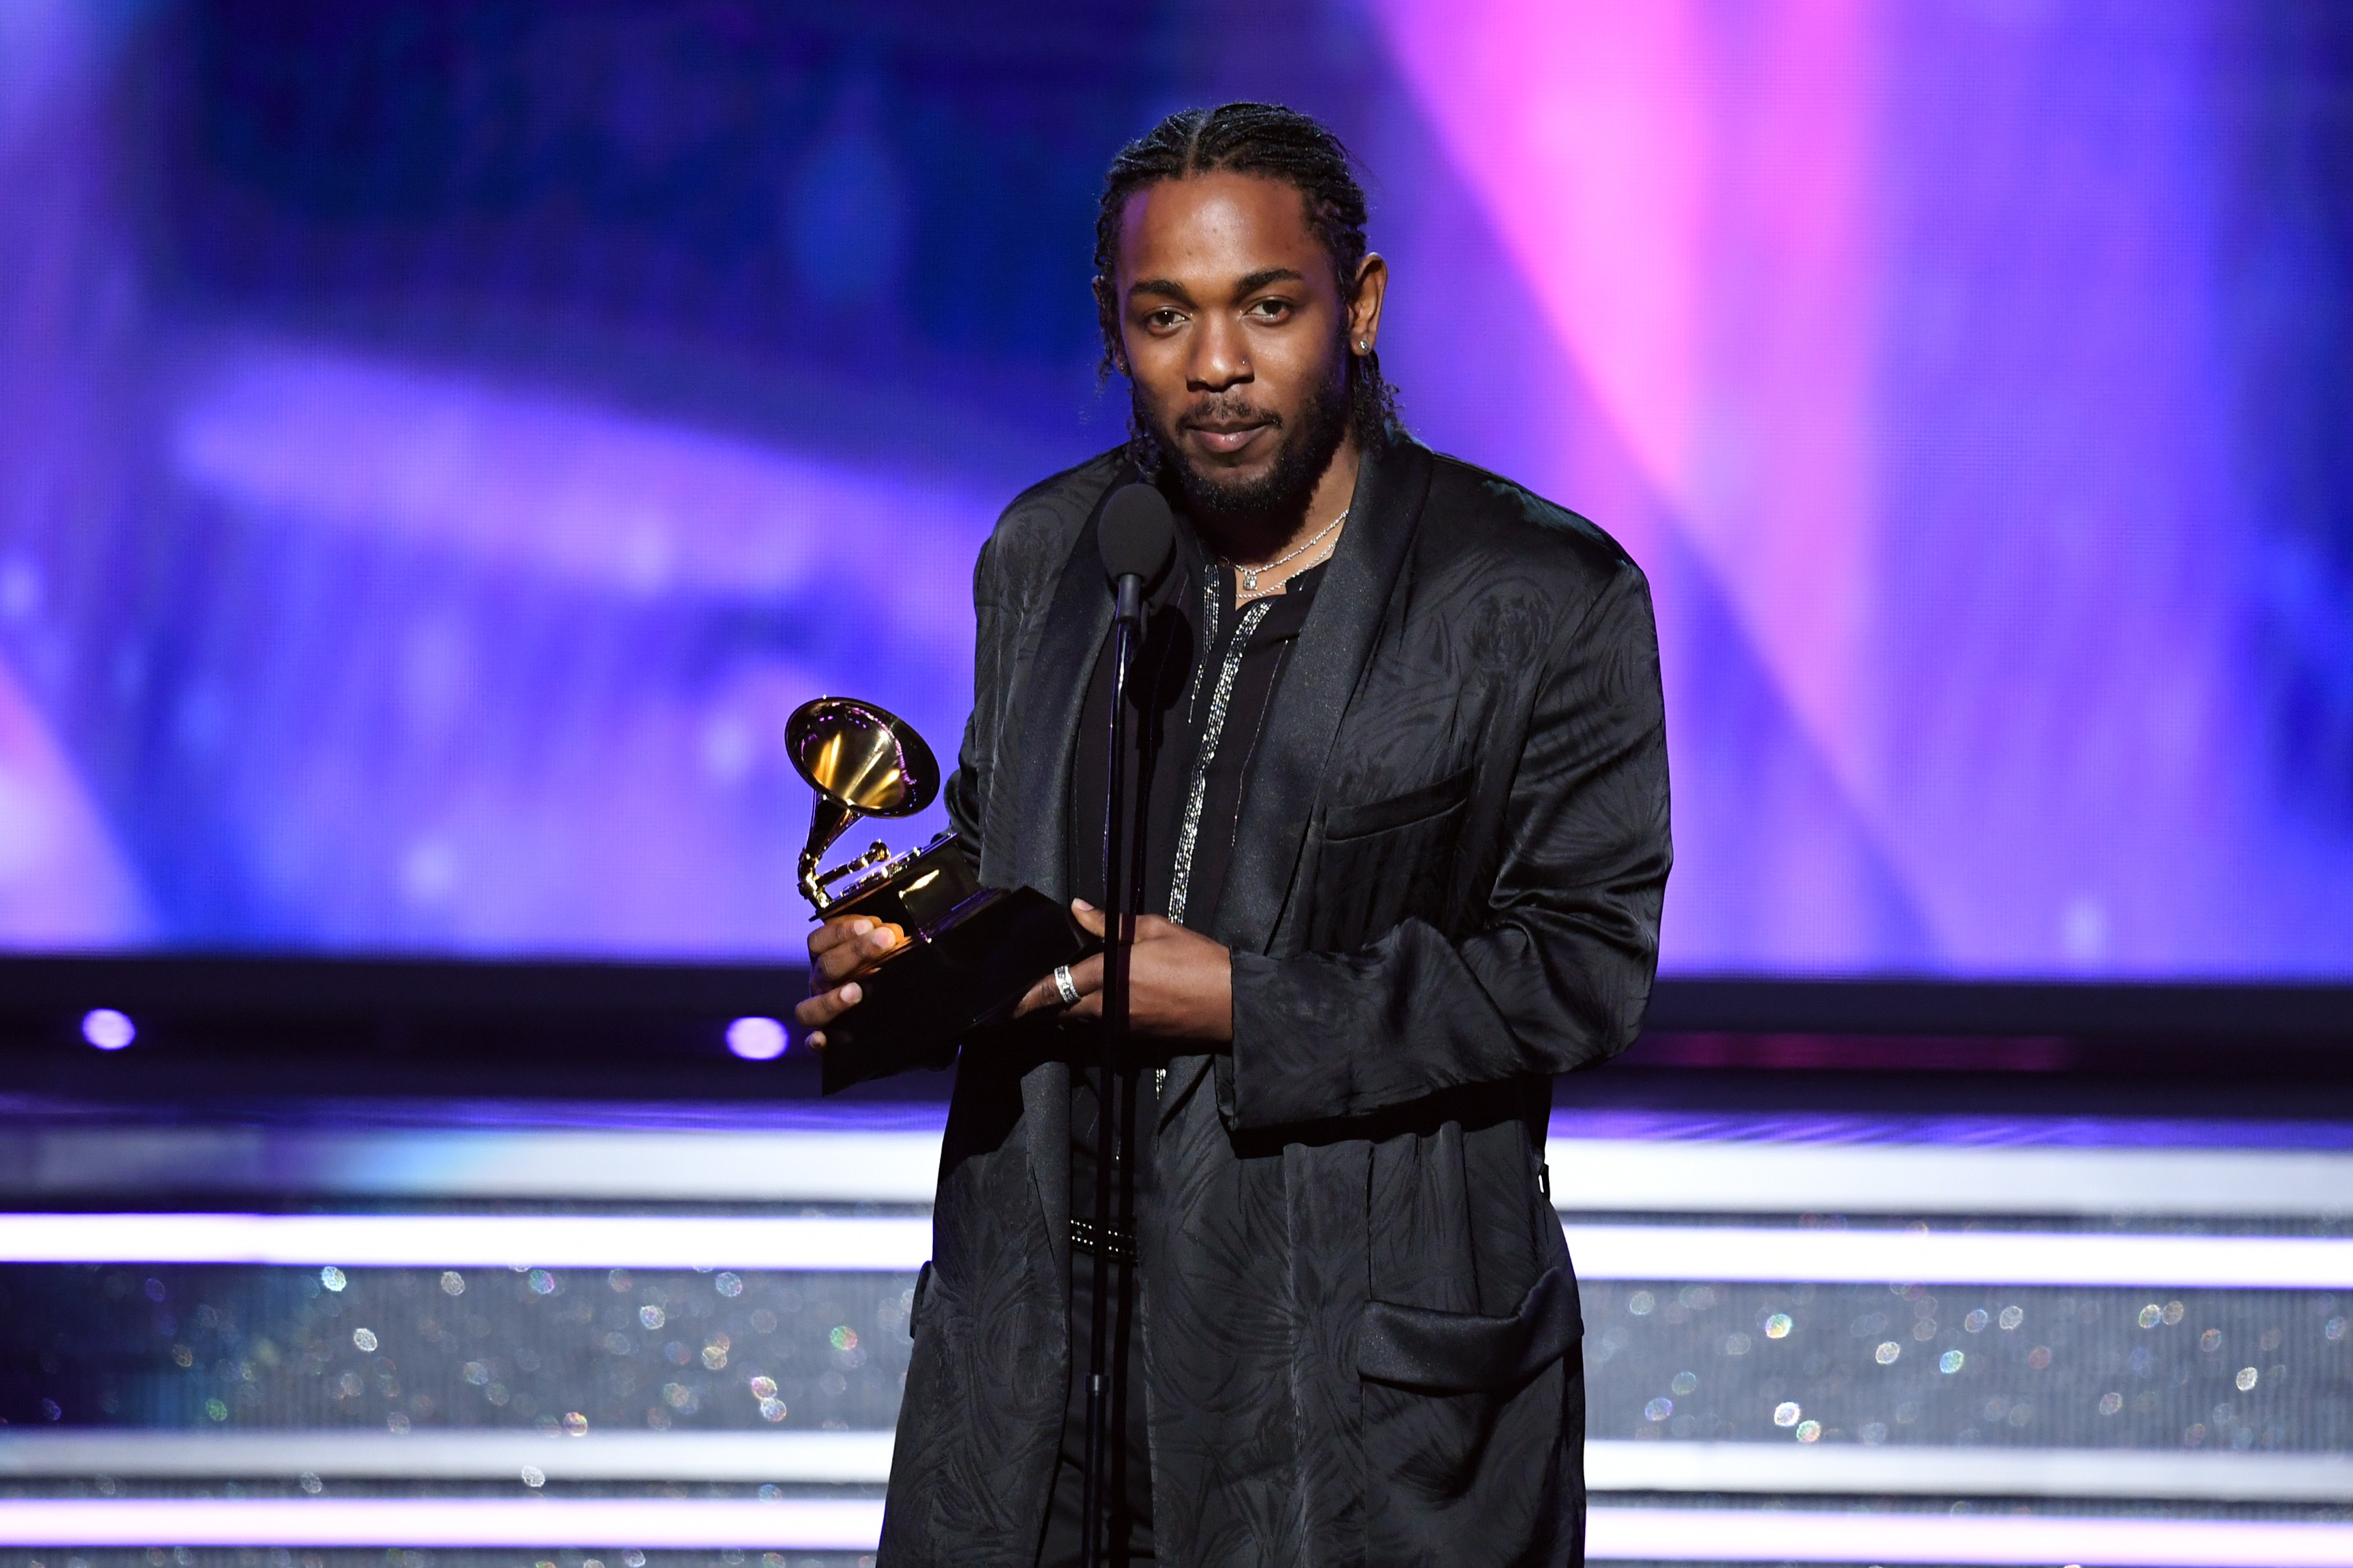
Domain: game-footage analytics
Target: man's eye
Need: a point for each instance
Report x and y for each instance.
(1270, 310)
(1162, 319)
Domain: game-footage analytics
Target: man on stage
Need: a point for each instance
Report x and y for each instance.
(1397, 744)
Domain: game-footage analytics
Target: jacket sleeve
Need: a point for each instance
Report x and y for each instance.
(967, 788)
(1558, 971)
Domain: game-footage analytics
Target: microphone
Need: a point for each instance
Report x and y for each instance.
(1138, 537)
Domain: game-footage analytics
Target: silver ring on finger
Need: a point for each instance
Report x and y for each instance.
(1064, 987)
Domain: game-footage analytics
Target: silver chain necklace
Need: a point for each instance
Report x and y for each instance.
(1249, 574)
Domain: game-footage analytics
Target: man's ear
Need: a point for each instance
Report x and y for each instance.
(1372, 282)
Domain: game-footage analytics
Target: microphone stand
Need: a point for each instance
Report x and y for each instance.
(1122, 886)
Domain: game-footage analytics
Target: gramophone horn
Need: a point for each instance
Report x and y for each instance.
(862, 760)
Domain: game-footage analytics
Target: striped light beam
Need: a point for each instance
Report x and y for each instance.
(1729, 1253)
(1670, 1535)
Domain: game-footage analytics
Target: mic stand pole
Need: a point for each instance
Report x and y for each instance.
(1119, 894)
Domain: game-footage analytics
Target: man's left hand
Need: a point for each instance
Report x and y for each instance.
(1180, 984)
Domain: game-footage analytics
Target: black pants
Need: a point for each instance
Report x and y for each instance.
(1128, 1453)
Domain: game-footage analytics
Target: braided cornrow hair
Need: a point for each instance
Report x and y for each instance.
(1252, 139)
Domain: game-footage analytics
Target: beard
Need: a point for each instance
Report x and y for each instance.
(1281, 492)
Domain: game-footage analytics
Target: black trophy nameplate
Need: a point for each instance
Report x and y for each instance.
(966, 963)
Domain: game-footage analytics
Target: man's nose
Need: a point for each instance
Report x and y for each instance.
(1221, 359)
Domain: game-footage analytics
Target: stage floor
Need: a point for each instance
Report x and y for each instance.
(1957, 1330)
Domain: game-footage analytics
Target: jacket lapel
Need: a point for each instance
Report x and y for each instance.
(1284, 789)
(1285, 784)
(1051, 707)
(1052, 703)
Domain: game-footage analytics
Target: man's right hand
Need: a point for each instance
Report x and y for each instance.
(839, 949)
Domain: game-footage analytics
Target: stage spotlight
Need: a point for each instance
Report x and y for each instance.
(758, 1039)
(107, 1029)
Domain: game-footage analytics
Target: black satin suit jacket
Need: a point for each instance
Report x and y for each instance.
(1360, 1329)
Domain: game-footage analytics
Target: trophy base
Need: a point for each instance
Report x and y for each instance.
(969, 968)
(920, 888)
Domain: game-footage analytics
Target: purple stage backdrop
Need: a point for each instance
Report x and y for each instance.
(440, 442)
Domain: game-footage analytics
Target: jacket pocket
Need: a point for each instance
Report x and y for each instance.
(1397, 810)
(1471, 1427)
(1387, 862)
(1467, 1353)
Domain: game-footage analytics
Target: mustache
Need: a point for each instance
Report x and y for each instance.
(1227, 411)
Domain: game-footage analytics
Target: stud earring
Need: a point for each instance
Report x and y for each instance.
(1364, 345)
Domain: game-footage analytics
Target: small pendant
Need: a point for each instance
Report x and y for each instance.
(1250, 578)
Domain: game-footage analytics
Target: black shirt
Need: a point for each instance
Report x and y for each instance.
(1198, 691)
(1177, 703)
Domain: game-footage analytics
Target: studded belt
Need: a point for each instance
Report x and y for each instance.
(1114, 1241)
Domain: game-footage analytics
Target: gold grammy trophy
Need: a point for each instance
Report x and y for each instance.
(970, 952)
